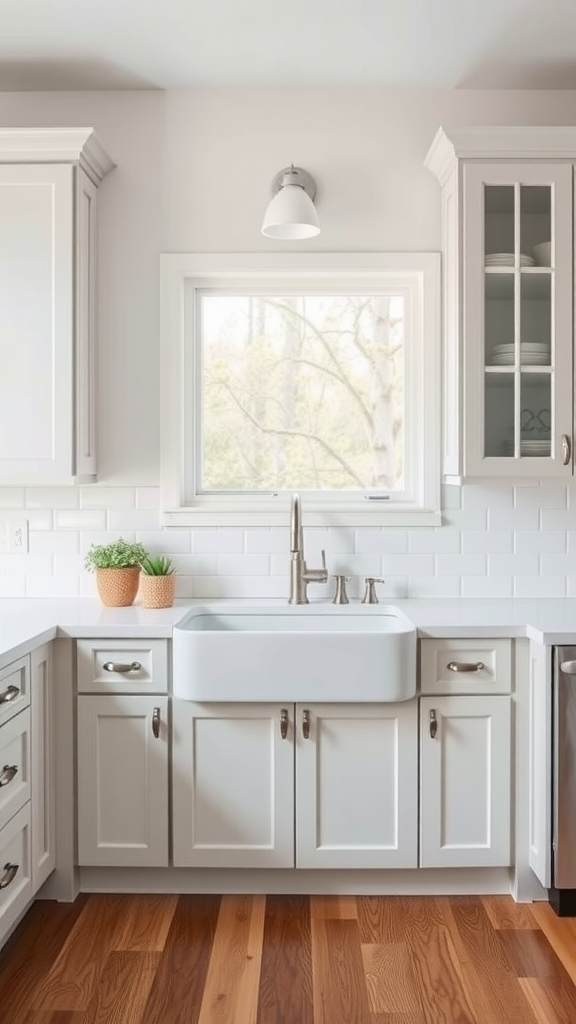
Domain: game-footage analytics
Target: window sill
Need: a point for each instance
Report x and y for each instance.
(214, 515)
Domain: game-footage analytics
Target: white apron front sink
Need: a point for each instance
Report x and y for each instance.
(309, 652)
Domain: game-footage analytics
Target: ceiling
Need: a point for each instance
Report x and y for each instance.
(166, 44)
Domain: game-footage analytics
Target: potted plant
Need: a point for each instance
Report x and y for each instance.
(157, 582)
(117, 568)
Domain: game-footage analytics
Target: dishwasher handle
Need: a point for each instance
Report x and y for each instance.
(568, 668)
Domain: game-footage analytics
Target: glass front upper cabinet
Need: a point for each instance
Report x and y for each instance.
(518, 318)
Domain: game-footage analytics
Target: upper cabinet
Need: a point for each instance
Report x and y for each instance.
(508, 230)
(48, 209)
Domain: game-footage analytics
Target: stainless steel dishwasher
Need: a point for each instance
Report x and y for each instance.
(563, 892)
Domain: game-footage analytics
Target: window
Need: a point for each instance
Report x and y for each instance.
(316, 373)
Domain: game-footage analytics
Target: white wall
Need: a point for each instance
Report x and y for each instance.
(193, 174)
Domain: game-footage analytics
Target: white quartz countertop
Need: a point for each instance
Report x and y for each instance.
(25, 624)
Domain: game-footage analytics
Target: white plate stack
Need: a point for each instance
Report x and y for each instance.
(506, 259)
(533, 448)
(532, 353)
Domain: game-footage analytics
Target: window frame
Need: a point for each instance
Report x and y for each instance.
(183, 274)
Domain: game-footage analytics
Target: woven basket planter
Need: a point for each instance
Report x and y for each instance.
(156, 591)
(118, 587)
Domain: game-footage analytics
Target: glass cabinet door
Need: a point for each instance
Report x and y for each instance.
(518, 319)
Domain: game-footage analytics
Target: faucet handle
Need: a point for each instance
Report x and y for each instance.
(370, 595)
(340, 596)
(323, 555)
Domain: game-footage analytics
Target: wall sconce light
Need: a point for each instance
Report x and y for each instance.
(291, 214)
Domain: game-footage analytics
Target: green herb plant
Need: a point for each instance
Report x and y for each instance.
(157, 565)
(119, 554)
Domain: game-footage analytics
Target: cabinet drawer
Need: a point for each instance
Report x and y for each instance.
(14, 688)
(465, 666)
(15, 875)
(14, 765)
(122, 666)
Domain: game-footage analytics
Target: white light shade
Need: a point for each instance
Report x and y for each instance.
(291, 214)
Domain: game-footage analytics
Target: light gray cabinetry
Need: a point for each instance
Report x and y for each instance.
(48, 212)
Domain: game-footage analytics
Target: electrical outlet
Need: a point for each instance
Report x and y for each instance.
(17, 536)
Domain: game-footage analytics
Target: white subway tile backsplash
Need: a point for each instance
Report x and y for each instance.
(433, 540)
(541, 541)
(540, 586)
(558, 564)
(226, 541)
(487, 586)
(557, 519)
(460, 565)
(166, 542)
(487, 541)
(107, 497)
(244, 565)
(433, 586)
(513, 565)
(467, 519)
(52, 497)
(551, 495)
(148, 497)
(137, 519)
(261, 541)
(497, 540)
(49, 542)
(407, 565)
(482, 496)
(12, 586)
(196, 565)
(513, 519)
(53, 586)
(383, 541)
(81, 519)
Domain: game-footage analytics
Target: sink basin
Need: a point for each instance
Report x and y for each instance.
(295, 653)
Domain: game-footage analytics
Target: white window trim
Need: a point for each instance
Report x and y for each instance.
(181, 274)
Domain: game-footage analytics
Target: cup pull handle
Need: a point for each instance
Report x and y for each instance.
(118, 666)
(7, 774)
(10, 872)
(9, 694)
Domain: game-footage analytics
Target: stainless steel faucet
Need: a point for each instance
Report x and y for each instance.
(300, 575)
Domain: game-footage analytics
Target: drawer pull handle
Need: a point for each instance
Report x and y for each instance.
(433, 724)
(156, 722)
(10, 872)
(118, 666)
(284, 723)
(306, 724)
(10, 694)
(7, 774)
(465, 666)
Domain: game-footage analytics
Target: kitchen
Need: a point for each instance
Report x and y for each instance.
(192, 168)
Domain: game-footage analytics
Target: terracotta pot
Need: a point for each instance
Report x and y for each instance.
(118, 587)
(156, 591)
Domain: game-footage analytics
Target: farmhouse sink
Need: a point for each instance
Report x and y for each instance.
(295, 653)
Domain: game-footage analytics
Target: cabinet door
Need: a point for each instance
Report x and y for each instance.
(36, 323)
(518, 319)
(43, 788)
(123, 781)
(233, 785)
(465, 781)
(540, 764)
(356, 785)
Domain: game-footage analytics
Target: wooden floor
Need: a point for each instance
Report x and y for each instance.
(289, 960)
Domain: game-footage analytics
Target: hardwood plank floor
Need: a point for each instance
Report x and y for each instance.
(289, 960)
